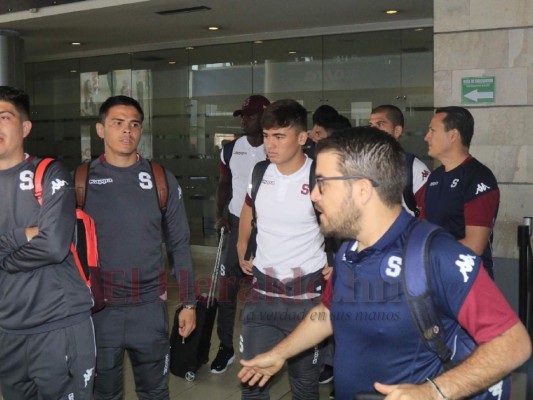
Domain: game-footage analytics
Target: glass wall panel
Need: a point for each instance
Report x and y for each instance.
(189, 95)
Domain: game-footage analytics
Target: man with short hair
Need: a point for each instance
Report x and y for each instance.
(390, 119)
(360, 177)
(47, 348)
(287, 268)
(461, 195)
(237, 159)
(122, 199)
(326, 126)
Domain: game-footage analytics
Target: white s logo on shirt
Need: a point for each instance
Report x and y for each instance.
(26, 180)
(145, 180)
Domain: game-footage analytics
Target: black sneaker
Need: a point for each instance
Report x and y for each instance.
(332, 394)
(224, 358)
(326, 375)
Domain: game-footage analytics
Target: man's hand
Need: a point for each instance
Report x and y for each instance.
(222, 222)
(187, 322)
(31, 232)
(407, 391)
(327, 271)
(247, 266)
(260, 368)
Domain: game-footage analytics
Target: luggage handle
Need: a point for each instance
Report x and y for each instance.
(214, 275)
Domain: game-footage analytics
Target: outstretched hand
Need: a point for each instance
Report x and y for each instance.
(260, 369)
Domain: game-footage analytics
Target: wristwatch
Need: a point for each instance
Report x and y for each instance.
(189, 306)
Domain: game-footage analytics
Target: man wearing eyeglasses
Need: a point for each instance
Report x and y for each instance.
(287, 269)
(360, 178)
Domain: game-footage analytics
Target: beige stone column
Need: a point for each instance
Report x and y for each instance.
(475, 38)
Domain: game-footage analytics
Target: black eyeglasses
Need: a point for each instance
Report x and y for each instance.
(320, 180)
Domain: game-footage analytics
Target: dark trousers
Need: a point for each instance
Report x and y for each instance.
(142, 331)
(267, 321)
(54, 365)
(231, 277)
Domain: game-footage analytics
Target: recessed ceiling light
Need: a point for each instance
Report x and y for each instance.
(75, 43)
(213, 28)
(172, 62)
(391, 12)
(189, 48)
(258, 42)
(292, 52)
(419, 29)
(73, 71)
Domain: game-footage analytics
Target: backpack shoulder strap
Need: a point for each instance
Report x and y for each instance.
(257, 176)
(415, 281)
(312, 182)
(161, 185)
(40, 170)
(408, 195)
(81, 176)
(227, 151)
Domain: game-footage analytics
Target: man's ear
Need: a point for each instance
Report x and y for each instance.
(26, 128)
(363, 190)
(397, 132)
(302, 137)
(100, 129)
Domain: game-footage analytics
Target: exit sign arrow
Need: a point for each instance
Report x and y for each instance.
(476, 95)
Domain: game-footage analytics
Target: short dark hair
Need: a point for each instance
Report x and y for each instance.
(322, 113)
(119, 101)
(458, 118)
(394, 114)
(335, 123)
(18, 98)
(285, 113)
(371, 153)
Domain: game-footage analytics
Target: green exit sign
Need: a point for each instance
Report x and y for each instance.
(478, 90)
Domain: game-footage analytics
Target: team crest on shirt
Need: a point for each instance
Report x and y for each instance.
(391, 267)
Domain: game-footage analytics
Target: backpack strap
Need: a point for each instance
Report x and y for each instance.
(257, 176)
(40, 170)
(38, 191)
(161, 185)
(227, 152)
(415, 281)
(408, 195)
(81, 177)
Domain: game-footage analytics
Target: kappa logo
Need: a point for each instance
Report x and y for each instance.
(466, 265)
(58, 184)
(481, 187)
(88, 375)
(497, 390)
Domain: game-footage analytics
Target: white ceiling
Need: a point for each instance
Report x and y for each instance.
(116, 26)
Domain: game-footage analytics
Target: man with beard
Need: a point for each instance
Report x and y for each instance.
(237, 159)
(360, 179)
